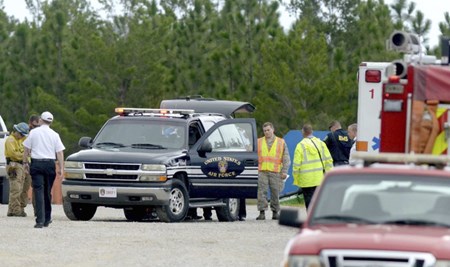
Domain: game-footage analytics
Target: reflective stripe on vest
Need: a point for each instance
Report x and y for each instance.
(310, 170)
(270, 160)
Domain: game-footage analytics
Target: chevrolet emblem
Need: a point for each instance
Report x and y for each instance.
(110, 172)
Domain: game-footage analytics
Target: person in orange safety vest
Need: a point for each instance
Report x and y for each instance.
(273, 165)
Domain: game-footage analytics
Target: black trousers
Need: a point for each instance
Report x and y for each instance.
(242, 208)
(308, 193)
(43, 175)
(207, 213)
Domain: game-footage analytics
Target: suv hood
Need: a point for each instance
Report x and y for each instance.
(435, 240)
(155, 156)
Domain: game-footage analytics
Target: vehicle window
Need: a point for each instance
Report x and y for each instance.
(194, 134)
(385, 198)
(246, 132)
(209, 121)
(232, 137)
(208, 124)
(142, 133)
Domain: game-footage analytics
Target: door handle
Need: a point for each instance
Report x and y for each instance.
(250, 162)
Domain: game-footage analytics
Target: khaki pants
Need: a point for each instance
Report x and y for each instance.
(272, 181)
(19, 183)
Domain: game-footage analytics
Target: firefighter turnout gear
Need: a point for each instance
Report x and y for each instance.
(19, 179)
(311, 160)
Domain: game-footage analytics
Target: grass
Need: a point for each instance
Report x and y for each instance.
(293, 201)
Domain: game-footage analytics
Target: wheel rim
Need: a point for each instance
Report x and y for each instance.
(176, 201)
(233, 205)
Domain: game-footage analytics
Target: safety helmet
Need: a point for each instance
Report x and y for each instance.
(22, 128)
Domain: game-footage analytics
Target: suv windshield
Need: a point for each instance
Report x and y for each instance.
(142, 134)
(384, 199)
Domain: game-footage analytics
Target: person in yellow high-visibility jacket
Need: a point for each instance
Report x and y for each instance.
(18, 182)
(273, 165)
(311, 160)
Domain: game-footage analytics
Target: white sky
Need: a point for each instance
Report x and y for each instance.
(433, 9)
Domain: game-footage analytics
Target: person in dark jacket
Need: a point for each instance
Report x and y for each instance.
(338, 143)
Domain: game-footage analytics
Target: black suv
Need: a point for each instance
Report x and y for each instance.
(189, 153)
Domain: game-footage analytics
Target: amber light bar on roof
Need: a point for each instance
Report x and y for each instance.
(127, 111)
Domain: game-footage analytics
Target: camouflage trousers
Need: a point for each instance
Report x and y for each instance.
(19, 183)
(272, 181)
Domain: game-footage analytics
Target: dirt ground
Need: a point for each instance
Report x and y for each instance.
(109, 240)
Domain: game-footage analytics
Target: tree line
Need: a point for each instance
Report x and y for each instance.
(80, 62)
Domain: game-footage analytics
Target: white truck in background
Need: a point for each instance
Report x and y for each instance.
(4, 185)
(370, 88)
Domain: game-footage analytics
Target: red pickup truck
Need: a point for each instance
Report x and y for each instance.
(376, 215)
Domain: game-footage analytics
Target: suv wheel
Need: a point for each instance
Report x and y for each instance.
(139, 214)
(178, 204)
(78, 211)
(135, 214)
(229, 212)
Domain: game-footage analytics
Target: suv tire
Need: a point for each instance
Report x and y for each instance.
(78, 211)
(139, 214)
(178, 205)
(135, 214)
(229, 212)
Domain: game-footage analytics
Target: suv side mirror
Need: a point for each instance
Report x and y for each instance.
(85, 142)
(206, 147)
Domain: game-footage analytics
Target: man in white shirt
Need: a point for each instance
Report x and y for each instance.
(44, 146)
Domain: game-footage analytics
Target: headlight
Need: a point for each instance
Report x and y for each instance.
(73, 165)
(153, 167)
(442, 264)
(304, 261)
(153, 178)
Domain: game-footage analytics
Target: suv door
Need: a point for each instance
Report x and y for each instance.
(225, 162)
(4, 184)
(3, 136)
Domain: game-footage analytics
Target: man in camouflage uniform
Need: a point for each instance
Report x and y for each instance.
(273, 165)
(18, 182)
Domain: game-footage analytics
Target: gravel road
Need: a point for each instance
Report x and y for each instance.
(109, 240)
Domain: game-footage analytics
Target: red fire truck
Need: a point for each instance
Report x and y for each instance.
(414, 115)
(404, 105)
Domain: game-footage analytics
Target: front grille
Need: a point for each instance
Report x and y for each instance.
(114, 176)
(112, 171)
(379, 258)
(114, 166)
